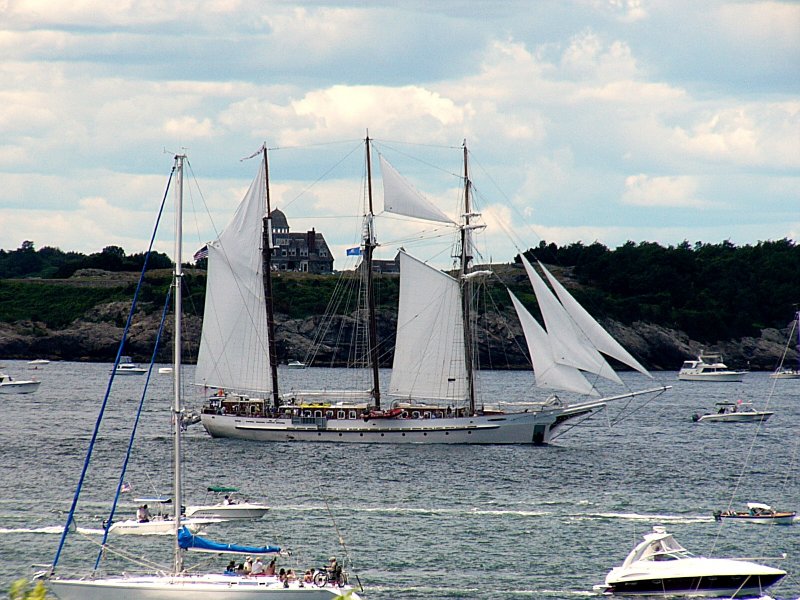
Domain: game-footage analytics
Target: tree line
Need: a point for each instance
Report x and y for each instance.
(711, 292)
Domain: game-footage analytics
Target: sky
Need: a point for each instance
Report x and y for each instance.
(586, 120)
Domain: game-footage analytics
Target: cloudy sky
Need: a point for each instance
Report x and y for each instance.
(590, 120)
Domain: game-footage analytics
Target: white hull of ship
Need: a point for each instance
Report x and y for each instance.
(728, 376)
(242, 510)
(201, 587)
(534, 427)
(19, 387)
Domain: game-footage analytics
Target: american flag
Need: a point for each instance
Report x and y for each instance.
(200, 254)
(125, 488)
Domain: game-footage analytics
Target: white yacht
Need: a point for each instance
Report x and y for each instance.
(13, 386)
(227, 506)
(708, 367)
(661, 566)
(127, 367)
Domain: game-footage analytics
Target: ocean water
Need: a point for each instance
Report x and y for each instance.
(418, 522)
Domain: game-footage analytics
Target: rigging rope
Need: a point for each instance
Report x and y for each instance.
(95, 433)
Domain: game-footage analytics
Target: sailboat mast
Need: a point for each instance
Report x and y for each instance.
(369, 246)
(267, 262)
(466, 287)
(176, 370)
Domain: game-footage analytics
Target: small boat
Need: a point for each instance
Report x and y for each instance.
(757, 513)
(39, 361)
(13, 386)
(786, 373)
(228, 506)
(708, 367)
(661, 566)
(165, 370)
(127, 367)
(734, 412)
(296, 364)
(159, 524)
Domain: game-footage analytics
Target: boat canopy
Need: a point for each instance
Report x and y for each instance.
(189, 541)
(221, 489)
(758, 505)
(161, 499)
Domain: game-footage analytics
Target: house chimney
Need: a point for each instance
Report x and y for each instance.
(311, 241)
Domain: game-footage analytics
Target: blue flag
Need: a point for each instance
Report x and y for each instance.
(354, 251)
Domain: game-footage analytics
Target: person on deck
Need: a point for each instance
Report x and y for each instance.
(143, 514)
(258, 567)
(270, 568)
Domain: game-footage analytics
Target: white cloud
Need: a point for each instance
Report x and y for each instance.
(644, 190)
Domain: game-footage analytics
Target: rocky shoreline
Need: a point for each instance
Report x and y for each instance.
(95, 338)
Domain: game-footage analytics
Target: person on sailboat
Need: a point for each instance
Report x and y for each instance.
(258, 567)
(270, 568)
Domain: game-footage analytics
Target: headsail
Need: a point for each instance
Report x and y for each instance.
(188, 541)
(549, 374)
(429, 350)
(599, 337)
(234, 352)
(570, 346)
(401, 198)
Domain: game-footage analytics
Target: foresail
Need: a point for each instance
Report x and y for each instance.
(401, 198)
(599, 337)
(429, 351)
(570, 346)
(549, 374)
(234, 353)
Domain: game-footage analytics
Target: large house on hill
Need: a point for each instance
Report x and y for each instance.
(305, 252)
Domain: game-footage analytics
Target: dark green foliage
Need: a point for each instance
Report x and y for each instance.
(56, 305)
(710, 291)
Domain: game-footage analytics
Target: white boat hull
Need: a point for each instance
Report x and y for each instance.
(779, 520)
(19, 387)
(155, 527)
(242, 510)
(743, 417)
(201, 587)
(533, 427)
(727, 376)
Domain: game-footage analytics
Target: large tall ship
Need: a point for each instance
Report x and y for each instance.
(433, 393)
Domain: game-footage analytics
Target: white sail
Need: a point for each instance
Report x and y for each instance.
(429, 350)
(549, 374)
(234, 353)
(599, 337)
(401, 198)
(570, 346)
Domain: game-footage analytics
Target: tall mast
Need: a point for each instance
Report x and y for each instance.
(466, 287)
(176, 370)
(369, 246)
(267, 262)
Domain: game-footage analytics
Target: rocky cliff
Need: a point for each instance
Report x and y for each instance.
(95, 337)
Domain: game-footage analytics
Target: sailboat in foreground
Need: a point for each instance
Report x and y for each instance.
(432, 394)
(181, 583)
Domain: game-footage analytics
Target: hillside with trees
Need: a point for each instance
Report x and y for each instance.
(666, 302)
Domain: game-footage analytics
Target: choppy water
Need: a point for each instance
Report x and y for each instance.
(420, 522)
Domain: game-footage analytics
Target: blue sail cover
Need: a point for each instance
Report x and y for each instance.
(188, 541)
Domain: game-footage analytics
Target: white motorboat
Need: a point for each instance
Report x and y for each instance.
(708, 367)
(434, 396)
(160, 523)
(39, 361)
(181, 582)
(14, 386)
(661, 566)
(786, 373)
(295, 364)
(127, 367)
(228, 506)
(757, 513)
(734, 412)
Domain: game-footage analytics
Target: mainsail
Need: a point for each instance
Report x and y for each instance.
(188, 541)
(429, 350)
(234, 351)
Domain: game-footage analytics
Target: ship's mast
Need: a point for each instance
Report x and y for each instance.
(466, 286)
(266, 253)
(369, 246)
(176, 368)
